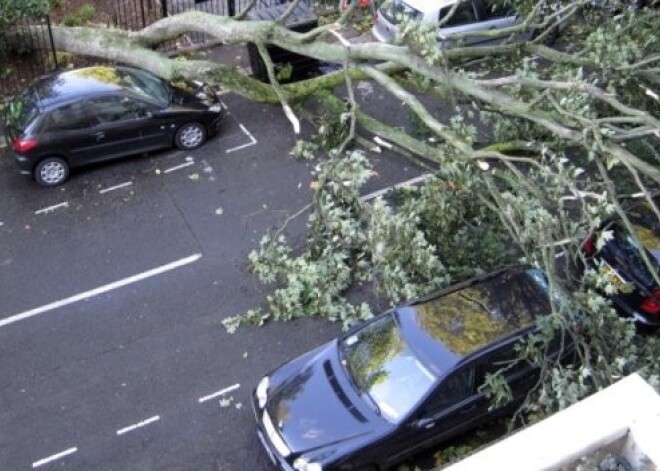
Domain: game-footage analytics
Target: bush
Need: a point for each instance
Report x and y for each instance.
(81, 16)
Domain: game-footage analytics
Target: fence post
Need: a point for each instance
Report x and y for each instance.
(144, 18)
(163, 4)
(52, 42)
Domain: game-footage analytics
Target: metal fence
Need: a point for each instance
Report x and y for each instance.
(26, 51)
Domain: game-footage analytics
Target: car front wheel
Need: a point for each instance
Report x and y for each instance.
(51, 171)
(190, 136)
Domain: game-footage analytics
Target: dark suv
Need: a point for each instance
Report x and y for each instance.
(100, 113)
(407, 380)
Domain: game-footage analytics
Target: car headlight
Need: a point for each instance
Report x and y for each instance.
(301, 464)
(217, 108)
(262, 392)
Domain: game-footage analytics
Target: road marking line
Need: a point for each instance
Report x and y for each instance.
(100, 290)
(252, 142)
(179, 167)
(116, 187)
(247, 132)
(130, 428)
(54, 457)
(412, 181)
(52, 208)
(219, 393)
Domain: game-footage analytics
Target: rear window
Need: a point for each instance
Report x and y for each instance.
(22, 111)
(472, 317)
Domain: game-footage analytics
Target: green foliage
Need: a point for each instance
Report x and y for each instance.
(12, 9)
(331, 125)
(304, 150)
(81, 16)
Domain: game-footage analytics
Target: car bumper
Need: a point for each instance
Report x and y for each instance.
(24, 164)
(624, 306)
(278, 460)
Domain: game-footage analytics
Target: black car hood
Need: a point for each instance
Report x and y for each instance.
(317, 406)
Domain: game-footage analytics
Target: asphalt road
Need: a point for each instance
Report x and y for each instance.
(112, 291)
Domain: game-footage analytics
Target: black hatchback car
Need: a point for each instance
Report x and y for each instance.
(621, 259)
(93, 114)
(405, 381)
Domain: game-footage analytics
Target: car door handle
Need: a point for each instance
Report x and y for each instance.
(100, 135)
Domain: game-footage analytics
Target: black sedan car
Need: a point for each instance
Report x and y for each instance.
(405, 381)
(93, 114)
(631, 261)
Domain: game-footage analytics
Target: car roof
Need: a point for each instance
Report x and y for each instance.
(65, 86)
(455, 323)
(429, 5)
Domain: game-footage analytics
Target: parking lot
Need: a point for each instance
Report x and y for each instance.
(114, 287)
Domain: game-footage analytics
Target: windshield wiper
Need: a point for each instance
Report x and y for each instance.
(373, 401)
(351, 378)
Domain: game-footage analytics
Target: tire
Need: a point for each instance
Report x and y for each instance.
(51, 171)
(190, 136)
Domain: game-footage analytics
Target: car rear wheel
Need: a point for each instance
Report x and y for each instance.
(51, 171)
(190, 136)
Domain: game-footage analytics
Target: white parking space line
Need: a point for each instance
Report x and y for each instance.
(54, 457)
(412, 181)
(100, 290)
(219, 393)
(52, 208)
(116, 187)
(178, 167)
(130, 428)
(252, 142)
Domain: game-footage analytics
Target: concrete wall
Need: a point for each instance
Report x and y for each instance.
(624, 417)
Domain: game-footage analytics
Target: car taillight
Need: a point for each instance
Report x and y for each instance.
(651, 305)
(589, 245)
(24, 145)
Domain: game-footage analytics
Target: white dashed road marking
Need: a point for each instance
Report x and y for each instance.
(52, 208)
(54, 457)
(130, 428)
(116, 187)
(178, 167)
(100, 290)
(219, 393)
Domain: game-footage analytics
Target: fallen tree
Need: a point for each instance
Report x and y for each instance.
(569, 134)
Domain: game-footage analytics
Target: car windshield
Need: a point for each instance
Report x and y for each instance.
(400, 10)
(146, 84)
(22, 110)
(384, 369)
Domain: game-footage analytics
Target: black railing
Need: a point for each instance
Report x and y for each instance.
(26, 51)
